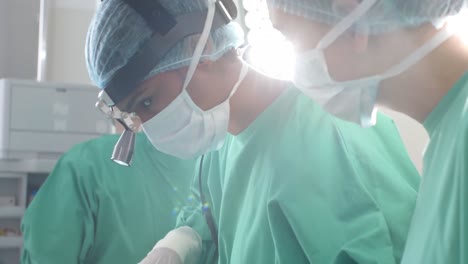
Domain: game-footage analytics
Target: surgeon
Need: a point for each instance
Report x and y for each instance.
(92, 210)
(402, 54)
(281, 181)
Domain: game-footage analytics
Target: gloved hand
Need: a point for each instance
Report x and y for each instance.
(180, 246)
(162, 256)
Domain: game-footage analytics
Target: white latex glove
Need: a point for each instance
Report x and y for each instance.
(180, 246)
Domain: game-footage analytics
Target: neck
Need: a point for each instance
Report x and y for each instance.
(419, 90)
(256, 93)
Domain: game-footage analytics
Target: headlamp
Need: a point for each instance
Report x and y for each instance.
(123, 150)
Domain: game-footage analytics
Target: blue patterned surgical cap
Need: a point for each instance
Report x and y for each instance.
(384, 16)
(117, 32)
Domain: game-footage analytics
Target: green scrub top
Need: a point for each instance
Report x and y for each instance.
(300, 186)
(439, 231)
(92, 210)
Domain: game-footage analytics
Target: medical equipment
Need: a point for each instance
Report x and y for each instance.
(43, 120)
(168, 31)
(7, 201)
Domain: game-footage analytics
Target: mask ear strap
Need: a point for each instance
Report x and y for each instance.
(345, 23)
(201, 42)
(242, 74)
(419, 54)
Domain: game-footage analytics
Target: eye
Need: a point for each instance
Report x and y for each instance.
(146, 103)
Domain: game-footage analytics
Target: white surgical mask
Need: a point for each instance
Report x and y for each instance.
(183, 129)
(352, 100)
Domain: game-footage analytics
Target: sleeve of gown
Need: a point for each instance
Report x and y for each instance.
(58, 226)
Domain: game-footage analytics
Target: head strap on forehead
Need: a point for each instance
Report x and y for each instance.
(168, 30)
(155, 15)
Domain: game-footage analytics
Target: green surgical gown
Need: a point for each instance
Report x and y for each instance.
(91, 210)
(300, 186)
(439, 231)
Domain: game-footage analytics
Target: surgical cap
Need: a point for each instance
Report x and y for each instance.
(384, 16)
(117, 32)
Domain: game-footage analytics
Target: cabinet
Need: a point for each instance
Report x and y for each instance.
(12, 207)
(19, 179)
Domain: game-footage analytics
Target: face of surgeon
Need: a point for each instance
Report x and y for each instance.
(207, 89)
(353, 55)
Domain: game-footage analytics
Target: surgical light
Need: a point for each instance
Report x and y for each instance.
(269, 52)
(458, 24)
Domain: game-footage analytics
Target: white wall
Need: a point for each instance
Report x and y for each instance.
(68, 24)
(3, 36)
(18, 38)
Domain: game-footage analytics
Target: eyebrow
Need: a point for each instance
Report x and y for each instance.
(131, 103)
(133, 98)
